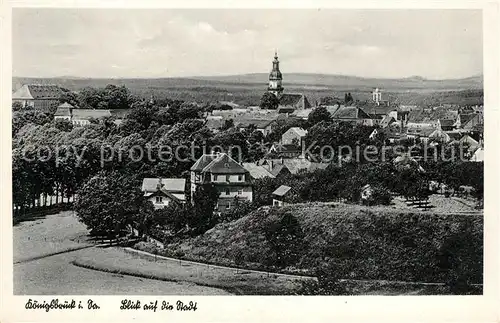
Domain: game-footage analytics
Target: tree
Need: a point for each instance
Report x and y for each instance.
(269, 101)
(202, 217)
(285, 238)
(317, 115)
(228, 123)
(63, 125)
(71, 98)
(108, 203)
(17, 106)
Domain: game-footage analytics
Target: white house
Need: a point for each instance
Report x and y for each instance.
(230, 178)
(293, 136)
(164, 191)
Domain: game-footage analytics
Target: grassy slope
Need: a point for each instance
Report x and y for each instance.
(369, 243)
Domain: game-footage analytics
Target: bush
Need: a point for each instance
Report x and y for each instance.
(381, 196)
(328, 283)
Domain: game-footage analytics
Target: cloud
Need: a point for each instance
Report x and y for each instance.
(143, 43)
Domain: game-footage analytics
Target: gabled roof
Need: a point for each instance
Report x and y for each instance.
(169, 184)
(63, 112)
(38, 91)
(424, 115)
(257, 171)
(203, 161)
(164, 192)
(65, 105)
(386, 121)
(421, 131)
(290, 99)
(333, 108)
(282, 190)
(350, 113)
(471, 141)
(304, 114)
(455, 135)
(90, 113)
(223, 164)
(478, 155)
(299, 131)
(447, 122)
(440, 134)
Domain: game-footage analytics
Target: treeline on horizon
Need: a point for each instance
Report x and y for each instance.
(247, 94)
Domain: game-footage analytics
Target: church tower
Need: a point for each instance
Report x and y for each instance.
(275, 78)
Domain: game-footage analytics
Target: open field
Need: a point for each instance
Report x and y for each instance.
(116, 260)
(55, 275)
(52, 234)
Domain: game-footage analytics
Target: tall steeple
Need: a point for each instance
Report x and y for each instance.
(275, 77)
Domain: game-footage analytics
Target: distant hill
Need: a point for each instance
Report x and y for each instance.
(293, 80)
(416, 82)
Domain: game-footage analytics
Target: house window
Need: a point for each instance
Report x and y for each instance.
(159, 199)
(228, 206)
(227, 191)
(240, 178)
(215, 178)
(240, 191)
(227, 178)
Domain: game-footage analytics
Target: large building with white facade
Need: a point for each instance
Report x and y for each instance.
(230, 178)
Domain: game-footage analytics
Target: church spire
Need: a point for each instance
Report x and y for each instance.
(275, 77)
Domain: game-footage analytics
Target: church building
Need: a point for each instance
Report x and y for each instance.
(288, 102)
(275, 78)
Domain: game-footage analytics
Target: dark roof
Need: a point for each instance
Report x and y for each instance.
(257, 171)
(350, 113)
(282, 190)
(465, 118)
(376, 110)
(38, 91)
(421, 131)
(447, 123)
(455, 135)
(276, 169)
(224, 164)
(435, 114)
(290, 99)
(386, 121)
(202, 162)
(294, 100)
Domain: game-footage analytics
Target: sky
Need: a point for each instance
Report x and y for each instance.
(129, 43)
